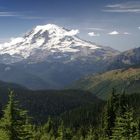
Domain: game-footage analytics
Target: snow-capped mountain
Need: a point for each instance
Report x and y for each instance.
(50, 56)
(49, 42)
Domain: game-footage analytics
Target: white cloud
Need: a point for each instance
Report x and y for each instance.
(16, 40)
(9, 14)
(114, 33)
(118, 33)
(32, 17)
(139, 28)
(22, 15)
(96, 29)
(127, 7)
(93, 34)
(4, 40)
(73, 32)
(126, 33)
(123, 10)
(12, 41)
(113, 5)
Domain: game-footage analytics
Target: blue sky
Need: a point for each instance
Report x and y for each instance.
(114, 23)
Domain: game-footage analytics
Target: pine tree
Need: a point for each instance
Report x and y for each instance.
(110, 114)
(68, 134)
(48, 130)
(137, 136)
(124, 126)
(3, 135)
(14, 122)
(37, 133)
(61, 132)
(122, 104)
(90, 134)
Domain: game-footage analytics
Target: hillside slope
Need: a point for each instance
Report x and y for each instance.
(121, 79)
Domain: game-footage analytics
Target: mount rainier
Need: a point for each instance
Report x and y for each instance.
(50, 42)
(50, 56)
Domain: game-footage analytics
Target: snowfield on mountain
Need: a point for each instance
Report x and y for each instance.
(47, 41)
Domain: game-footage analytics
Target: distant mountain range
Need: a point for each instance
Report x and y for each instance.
(125, 59)
(122, 72)
(50, 57)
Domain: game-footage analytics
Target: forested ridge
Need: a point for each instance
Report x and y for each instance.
(41, 104)
(118, 118)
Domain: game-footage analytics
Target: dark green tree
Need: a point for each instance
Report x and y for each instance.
(61, 133)
(14, 123)
(48, 132)
(125, 127)
(122, 104)
(69, 134)
(90, 134)
(137, 137)
(110, 114)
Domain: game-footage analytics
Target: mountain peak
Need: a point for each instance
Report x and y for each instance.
(47, 27)
(55, 30)
(49, 41)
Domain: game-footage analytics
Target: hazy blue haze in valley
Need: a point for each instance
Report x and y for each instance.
(114, 23)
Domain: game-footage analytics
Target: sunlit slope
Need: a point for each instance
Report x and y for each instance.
(121, 79)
